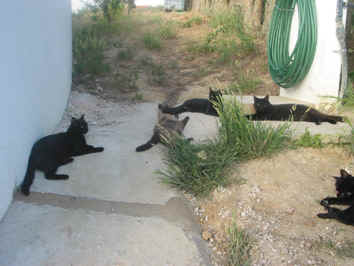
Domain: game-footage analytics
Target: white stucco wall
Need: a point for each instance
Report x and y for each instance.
(324, 75)
(35, 81)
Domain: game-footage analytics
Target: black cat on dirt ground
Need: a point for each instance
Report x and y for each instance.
(166, 128)
(55, 150)
(345, 196)
(293, 112)
(195, 105)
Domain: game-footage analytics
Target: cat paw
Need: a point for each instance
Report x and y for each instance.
(318, 123)
(99, 149)
(322, 215)
(25, 191)
(325, 202)
(62, 177)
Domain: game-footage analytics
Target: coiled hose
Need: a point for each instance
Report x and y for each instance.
(289, 69)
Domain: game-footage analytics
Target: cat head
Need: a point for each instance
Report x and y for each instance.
(214, 95)
(344, 184)
(261, 103)
(78, 125)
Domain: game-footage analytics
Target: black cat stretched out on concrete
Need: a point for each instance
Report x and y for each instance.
(345, 196)
(195, 105)
(293, 112)
(55, 150)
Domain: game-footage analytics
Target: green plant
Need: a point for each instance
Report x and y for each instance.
(152, 41)
(348, 99)
(226, 49)
(246, 82)
(199, 168)
(228, 37)
(138, 96)
(167, 30)
(308, 140)
(126, 54)
(194, 20)
(346, 249)
(196, 168)
(250, 139)
(201, 48)
(239, 246)
(111, 9)
(88, 52)
(351, 139)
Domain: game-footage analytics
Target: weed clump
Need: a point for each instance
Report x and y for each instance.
(200, 168)
(228, 38)
(88, 52)
(239, 246)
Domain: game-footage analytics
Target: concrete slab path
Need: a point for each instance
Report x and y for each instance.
(113, 210)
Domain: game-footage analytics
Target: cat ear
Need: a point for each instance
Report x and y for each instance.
(344, 173)
(82, 117)
(267, 97)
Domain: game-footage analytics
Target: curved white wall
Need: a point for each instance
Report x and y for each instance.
(35, 81)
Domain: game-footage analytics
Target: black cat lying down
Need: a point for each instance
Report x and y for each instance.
(166, 128)
(345, 196)
(196, 105)
(52, 151)
(293, 112)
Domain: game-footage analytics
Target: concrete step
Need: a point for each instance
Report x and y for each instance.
(299, 128)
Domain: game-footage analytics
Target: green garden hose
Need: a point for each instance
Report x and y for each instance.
(289, 69)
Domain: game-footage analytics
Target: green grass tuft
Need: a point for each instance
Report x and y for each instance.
(200, 168)
(88, 51)
(308, 140)
(250, 139)
(152, 41)
(196, 168)
(239, 246)
(228, 37)
(167, 30)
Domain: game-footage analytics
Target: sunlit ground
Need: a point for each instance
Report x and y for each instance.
(77, 4)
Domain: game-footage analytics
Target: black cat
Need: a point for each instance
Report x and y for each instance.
(167, 127)
(196, 105)
(294, 112)
(345, 196)
(52, 151)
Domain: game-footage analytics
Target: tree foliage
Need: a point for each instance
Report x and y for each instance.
(111, 9)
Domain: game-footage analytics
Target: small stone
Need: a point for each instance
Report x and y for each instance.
(206, 235)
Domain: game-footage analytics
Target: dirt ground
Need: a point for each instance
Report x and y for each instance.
(278, 198)
(277, 204)
(170, 73)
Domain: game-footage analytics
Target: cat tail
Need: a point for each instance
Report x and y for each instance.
(333, 119)
(336, 118)
(29, 177)
(154, 140)
(172, 110)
